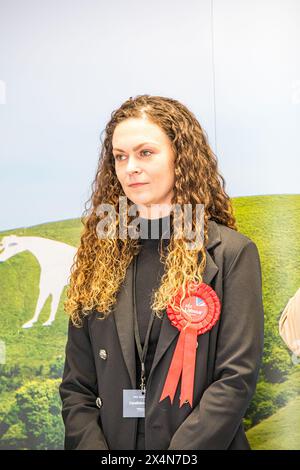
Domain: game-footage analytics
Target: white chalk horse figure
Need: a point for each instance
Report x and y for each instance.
(55, 259)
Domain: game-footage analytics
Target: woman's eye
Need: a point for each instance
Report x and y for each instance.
(117, 157)
(146, 151)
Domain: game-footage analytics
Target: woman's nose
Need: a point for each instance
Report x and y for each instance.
(132, 165)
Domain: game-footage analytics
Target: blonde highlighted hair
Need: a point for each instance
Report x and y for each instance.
(100, 264)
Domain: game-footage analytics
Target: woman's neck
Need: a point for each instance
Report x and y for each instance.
(154, 211)
(155, 229)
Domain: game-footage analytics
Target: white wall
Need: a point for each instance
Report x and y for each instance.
(65, 65)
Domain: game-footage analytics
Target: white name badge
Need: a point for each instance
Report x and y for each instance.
(133, 404)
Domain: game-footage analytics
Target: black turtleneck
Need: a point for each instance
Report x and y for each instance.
(149, 270)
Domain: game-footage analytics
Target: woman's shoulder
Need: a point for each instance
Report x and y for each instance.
(226, 235)
(228, 242)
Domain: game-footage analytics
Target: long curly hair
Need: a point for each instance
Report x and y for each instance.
(100, 264)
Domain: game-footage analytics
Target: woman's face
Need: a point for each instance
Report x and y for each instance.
(143, 154)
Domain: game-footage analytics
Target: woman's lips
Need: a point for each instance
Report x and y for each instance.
(136, 185)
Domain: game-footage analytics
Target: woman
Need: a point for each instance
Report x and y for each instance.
(123, 292)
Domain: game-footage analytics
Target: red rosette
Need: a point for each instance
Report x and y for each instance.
(198, 313)
(200, 309)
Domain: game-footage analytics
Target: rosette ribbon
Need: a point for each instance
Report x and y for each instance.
(198, 313)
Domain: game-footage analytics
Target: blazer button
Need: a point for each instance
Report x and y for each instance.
(99, 402)
(103, 354)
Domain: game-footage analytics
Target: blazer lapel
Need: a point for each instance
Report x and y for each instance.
(123, 314)
(123, 311)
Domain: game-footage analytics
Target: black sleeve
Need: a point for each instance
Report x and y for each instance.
(78, 392)
(213, 423)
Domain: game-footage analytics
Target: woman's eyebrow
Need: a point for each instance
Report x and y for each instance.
(137, 146)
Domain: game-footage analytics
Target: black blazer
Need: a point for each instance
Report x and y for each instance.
(100, 363)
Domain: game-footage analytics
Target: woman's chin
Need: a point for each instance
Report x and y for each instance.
(142, 201)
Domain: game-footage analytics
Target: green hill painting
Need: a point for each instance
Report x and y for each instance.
(32, 339)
